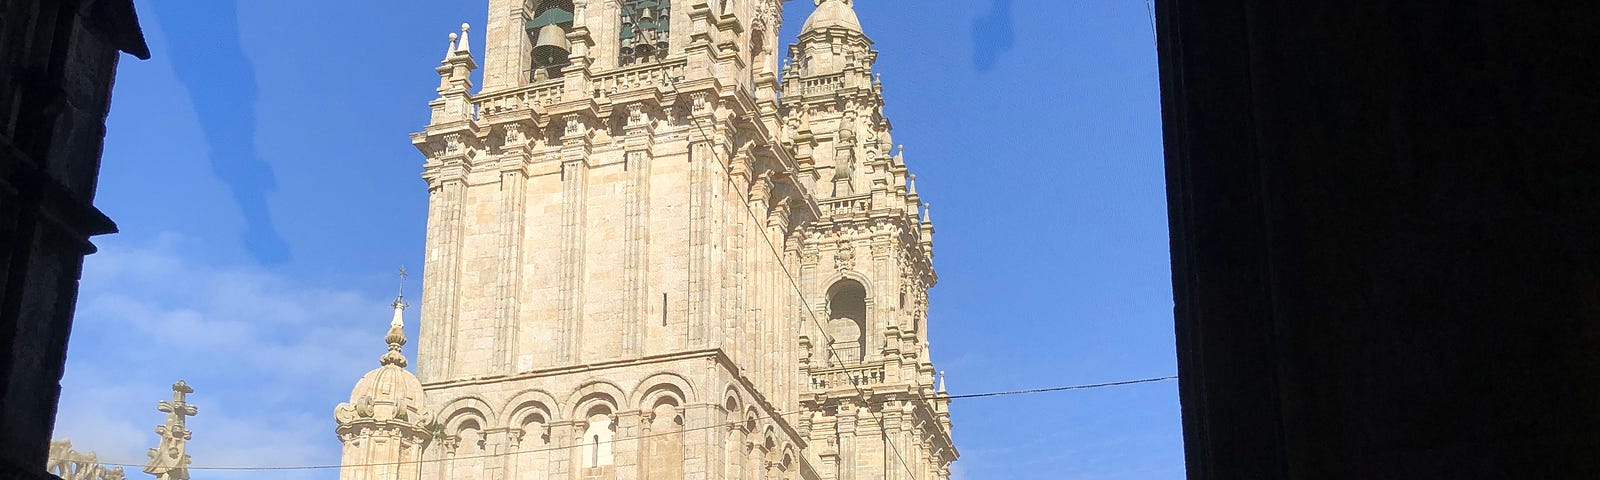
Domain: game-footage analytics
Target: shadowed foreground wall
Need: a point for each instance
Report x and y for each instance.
(57, 59)
(1386, 259)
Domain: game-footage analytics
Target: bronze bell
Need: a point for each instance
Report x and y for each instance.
(551, 47)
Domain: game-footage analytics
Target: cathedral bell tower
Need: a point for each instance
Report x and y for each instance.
(643, 263)
(866, 265)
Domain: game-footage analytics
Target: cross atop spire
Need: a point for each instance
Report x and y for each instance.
(397, 332)
(400, 297)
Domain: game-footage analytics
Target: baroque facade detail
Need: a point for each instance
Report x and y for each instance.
(655, 253)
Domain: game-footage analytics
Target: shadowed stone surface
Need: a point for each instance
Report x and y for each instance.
(57, 60)
(1383, 227)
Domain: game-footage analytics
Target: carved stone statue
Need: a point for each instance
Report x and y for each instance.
(845, 164)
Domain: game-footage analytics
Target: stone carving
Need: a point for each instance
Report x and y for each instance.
(636, 115)
(452, 144)
(513, 136)
(767, 12)
(845, 257)
(574, 125)
(845, 164)
(70, 464)
(170, 459)
(698, 102)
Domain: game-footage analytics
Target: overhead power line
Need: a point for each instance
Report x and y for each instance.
(652, 435)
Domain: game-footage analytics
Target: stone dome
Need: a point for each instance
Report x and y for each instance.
(833, 14)
(388, 392)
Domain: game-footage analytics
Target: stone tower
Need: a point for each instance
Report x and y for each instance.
(643, 264)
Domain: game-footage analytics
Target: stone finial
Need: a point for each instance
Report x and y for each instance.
(911, 184)
(941, 381)
(927, 213)
(463, 47)
(452, 49)
(170, 459)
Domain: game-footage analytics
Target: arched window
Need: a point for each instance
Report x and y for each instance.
(533, 458)
(646, 25)
(469, 464)
(597, 438)
(847, 321)
(547, 32)
(664, 449)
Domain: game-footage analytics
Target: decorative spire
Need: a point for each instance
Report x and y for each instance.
(911, 182)
(170, 459)
(397, 332)
(463, 48)
(448, 52)
(941, 381)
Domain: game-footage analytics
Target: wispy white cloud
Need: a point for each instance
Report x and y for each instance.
(268, 356)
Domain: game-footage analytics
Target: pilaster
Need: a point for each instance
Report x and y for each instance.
(574, 230)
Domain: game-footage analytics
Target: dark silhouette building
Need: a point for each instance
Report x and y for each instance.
(57, 60)
(1385, 225)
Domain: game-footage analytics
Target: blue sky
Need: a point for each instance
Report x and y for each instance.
(259, 169)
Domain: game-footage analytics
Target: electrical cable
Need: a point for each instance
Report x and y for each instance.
(659, 434)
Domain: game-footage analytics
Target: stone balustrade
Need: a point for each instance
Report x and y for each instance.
(529, 96)
(647, 75)
(842, 206)
(819, 85)
(850, 376)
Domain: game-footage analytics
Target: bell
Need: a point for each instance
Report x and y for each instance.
(647, 15)
(551, 48)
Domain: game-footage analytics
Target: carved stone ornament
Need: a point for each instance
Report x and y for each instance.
(70, 464)
(452, 144)
(697, 102)
(513, 136)
(636, 115)
(574, 126)
(767, 12)
(845, 257)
